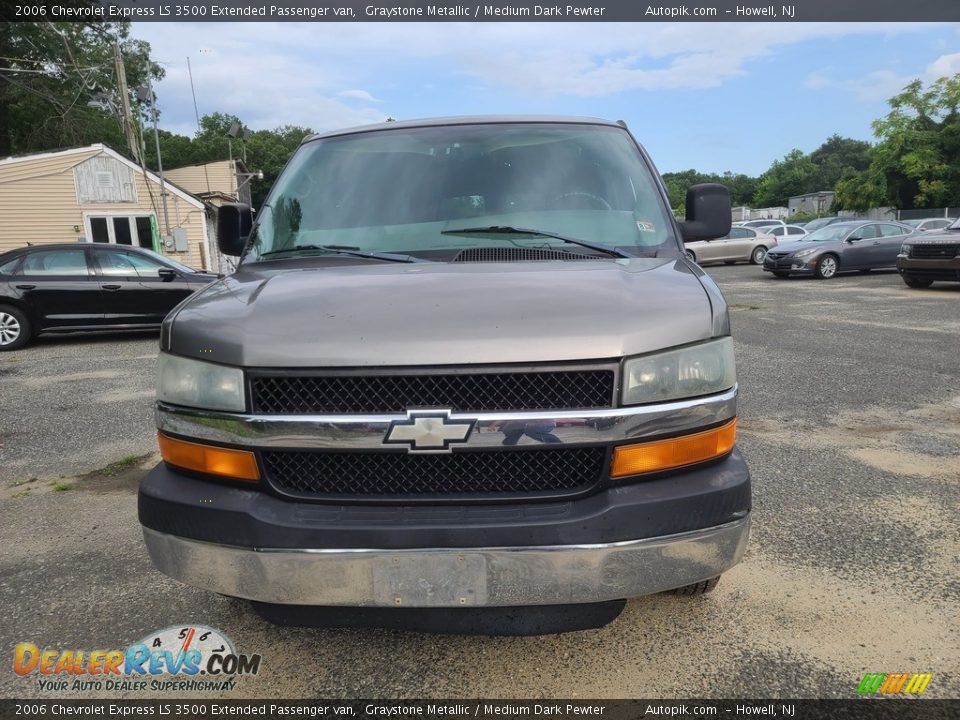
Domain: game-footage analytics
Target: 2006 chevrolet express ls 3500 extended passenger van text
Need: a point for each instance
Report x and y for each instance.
(463, 379)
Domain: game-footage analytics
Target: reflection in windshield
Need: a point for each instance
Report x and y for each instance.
(398, 190)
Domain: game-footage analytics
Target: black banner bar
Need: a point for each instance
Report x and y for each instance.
(491, 11)
(174, 709)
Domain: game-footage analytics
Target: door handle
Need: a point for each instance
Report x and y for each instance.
(111, 287)
(25, 287)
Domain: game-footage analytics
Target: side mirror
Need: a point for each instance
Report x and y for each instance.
(167, 274)
(853, 239)
(234, 221)
(708, 213)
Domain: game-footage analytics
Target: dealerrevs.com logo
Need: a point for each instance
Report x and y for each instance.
(178, 658)
(903, 683)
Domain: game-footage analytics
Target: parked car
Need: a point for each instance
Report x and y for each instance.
(824, 221)
(379, 437)
(70, 287)
(928, 224)
(839, 247)
(741, 244)
(758, 224)
(785, 232)
(932, 256)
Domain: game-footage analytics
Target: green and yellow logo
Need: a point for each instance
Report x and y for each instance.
(894, 683)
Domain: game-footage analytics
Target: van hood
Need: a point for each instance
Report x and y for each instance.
(337, 313)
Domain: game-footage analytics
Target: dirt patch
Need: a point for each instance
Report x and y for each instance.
(924, 441)
(122, 476)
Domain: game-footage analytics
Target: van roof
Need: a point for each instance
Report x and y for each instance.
(467, 120)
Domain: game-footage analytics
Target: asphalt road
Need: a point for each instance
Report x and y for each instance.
(850, 420)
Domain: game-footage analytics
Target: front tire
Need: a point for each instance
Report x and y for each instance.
(700, 588)
(916, 282)
(827, 267)
(758, 254)
(690, 256)
(15, 328)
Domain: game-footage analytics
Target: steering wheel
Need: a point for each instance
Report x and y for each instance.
(581, 198)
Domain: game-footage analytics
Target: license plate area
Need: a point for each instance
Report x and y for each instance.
(442, 580)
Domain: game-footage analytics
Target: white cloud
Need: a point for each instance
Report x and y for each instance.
(944, 65)
(289, 73)
(818, 80)
(358, 95)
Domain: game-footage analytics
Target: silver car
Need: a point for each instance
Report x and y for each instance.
(858, 245)
(928, 224)
(741, 244)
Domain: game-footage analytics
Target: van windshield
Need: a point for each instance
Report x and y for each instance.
(404, 190)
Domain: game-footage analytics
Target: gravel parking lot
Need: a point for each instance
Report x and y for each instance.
(850, 420)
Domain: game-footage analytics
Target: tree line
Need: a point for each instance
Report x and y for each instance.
(58, 89)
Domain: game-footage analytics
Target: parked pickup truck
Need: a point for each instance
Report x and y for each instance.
(463, 379)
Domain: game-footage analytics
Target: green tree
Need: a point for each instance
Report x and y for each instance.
(741, 187)
(916, 160)
(266, 151)
(836, 158)
(54, 71)
(795, 174)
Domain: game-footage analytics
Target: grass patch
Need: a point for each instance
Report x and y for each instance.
(124, 463)
(22, 493)
(18, 483)
(63, 485)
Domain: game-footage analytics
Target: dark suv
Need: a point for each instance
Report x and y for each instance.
(70, 287)
(931, 256)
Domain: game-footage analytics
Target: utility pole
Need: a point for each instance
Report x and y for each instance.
(126, 118)
(156, 139)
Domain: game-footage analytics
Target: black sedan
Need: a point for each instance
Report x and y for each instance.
(71, 287)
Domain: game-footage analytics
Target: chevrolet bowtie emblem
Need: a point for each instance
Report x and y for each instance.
(430, 430)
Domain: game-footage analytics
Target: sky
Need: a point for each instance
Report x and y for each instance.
(712, 96)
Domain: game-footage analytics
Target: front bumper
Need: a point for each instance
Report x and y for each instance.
(640, 538)
(792, 265)
(930, 268)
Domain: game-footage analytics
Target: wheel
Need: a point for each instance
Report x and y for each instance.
(690, 256)
(827, 267)
(700, 588)
(729, 262)
(14, 328)
(916, 282)
(780, 274)
(581, 200)
(758, 254)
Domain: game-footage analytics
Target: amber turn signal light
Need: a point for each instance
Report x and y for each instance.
(674, 452)
(233, 464)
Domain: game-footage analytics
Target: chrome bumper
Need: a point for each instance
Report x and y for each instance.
(367, 432)
(452, 577)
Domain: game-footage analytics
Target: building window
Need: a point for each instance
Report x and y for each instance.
(135, 230)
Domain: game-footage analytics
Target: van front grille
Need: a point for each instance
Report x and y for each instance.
(344, 474)
(309, 393)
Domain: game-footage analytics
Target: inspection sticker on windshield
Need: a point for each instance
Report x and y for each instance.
(645, 226)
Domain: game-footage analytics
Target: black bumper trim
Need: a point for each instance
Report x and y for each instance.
(694, 499)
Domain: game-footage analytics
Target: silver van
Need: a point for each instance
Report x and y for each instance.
(463, 379)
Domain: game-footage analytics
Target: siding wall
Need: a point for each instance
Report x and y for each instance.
(212, 177)
(38, 204)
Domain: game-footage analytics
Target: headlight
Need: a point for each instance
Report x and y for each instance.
(805, 253)
(183, 381)
(905, 249)
(688, 372)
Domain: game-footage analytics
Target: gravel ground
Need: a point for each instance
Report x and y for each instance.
(850, 420)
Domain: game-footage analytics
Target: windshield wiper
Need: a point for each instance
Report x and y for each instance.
(507, 230)
(351, 250)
